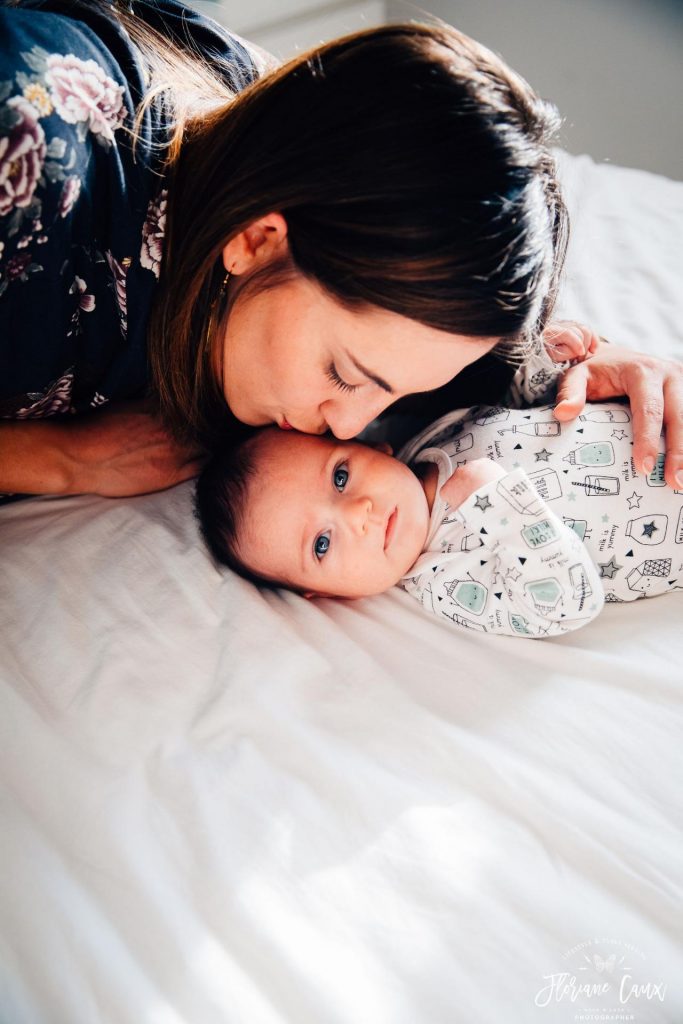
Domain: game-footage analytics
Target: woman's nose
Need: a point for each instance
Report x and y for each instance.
(346, 420)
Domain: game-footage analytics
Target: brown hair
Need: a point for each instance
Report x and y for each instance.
(412, 167)
(410, 163)
(221, 505)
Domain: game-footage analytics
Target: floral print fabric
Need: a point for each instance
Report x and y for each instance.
(81, 222)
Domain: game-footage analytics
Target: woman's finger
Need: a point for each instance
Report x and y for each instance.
(673, 425)
(571, 392)
(645, 390)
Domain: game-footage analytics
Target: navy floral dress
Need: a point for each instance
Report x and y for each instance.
(81, 220)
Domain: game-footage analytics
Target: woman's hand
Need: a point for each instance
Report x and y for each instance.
(654, 388)
(122, 451)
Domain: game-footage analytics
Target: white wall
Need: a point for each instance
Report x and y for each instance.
(290, 26)
(613, 67)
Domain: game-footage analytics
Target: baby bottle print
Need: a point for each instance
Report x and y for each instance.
(546, 428)
(470, 595)
(520, 495)
(656, 477)
(606, 416)
(646, 578)
(679, 528)
(461, 444)
(594, 453)
(520, 624)
(537, 535)
(648, 529)
(545, 594)
(579, 526)
(547, 484)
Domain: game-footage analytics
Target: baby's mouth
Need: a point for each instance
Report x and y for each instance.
(390, 528)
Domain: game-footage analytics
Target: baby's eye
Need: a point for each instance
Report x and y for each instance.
(322, 544)
(340, 477)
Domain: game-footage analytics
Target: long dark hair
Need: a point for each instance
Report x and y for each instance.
(413, 169)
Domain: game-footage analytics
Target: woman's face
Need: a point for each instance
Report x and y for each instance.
(294, 356)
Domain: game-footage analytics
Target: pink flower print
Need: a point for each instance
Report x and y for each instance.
(152, 249)
(119, 271)
(22, 155)
(86, 302)
(83, 94)
(54, 400)
(17, 266)
(70, 193)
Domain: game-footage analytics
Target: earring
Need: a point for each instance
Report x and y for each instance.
(213, 312)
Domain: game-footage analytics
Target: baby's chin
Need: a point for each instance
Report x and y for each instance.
(385, 582)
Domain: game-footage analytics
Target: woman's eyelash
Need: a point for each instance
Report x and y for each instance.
(338, 381)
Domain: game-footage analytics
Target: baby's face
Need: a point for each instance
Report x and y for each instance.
(331, 517)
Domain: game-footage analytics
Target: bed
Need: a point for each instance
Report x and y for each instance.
(222, 806)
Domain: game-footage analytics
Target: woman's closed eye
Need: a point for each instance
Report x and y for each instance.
(338, 381)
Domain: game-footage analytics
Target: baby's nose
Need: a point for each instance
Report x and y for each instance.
(359, 511)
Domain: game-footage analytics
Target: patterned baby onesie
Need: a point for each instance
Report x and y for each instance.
(570, 526)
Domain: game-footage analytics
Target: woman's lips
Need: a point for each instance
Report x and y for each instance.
(391, 527)
(285, 425)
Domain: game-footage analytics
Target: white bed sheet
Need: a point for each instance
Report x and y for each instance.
(227, 807)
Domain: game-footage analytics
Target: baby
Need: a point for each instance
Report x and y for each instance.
(500, 520)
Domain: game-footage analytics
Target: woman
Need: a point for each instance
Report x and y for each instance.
(304, 249)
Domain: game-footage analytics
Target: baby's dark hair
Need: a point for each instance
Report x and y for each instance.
(221, 501)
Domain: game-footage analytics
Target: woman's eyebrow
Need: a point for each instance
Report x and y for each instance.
(379, 381)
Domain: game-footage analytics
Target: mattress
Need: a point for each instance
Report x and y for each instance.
(223, 806)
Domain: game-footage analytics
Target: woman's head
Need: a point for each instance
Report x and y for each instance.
(409, 166)
(292, 354)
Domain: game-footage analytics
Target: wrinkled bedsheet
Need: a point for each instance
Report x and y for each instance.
(221, 806)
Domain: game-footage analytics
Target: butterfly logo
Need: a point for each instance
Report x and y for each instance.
(604, 963)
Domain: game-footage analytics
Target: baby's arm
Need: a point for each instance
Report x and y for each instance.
(530, 576)
(562, 343)
(568, 341)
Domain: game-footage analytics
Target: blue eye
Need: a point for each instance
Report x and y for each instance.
(322, 544)
(340, 477)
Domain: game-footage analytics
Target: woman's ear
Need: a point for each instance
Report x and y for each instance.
(260, 242)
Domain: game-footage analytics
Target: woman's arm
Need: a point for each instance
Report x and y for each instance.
(119, 452)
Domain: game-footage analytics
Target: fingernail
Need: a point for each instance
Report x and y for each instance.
(648, 464)
(679, 479)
